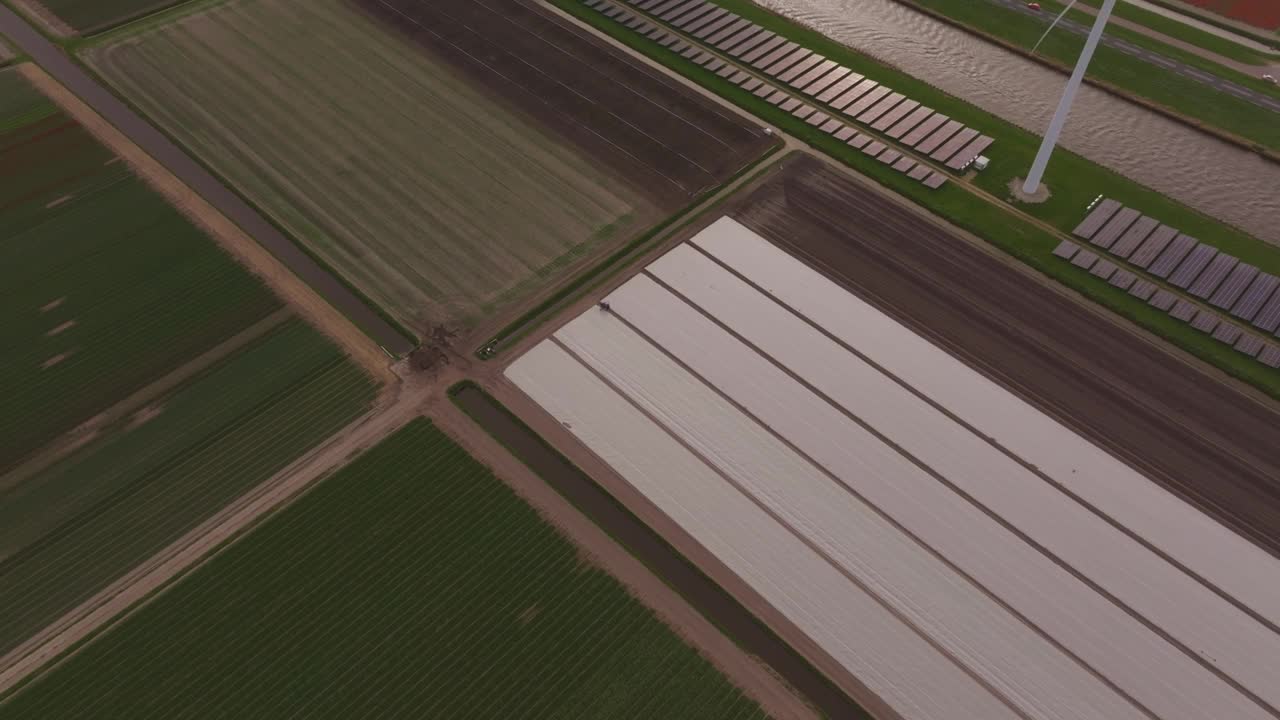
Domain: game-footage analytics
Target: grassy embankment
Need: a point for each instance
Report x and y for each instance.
(1188, 98)
(412, 583)
(1075, 181)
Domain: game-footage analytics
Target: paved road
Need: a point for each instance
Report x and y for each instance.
(156, 144)
(1260, 99)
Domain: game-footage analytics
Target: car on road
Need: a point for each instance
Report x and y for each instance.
(1033, 6)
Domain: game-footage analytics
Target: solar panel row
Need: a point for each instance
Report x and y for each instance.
(808, 73)
(1202, 270)
(1096, 218)
(1205, 272)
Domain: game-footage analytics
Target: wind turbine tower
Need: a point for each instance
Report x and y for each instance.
(1032, 184)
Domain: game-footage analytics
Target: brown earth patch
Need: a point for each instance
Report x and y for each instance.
(60, 328)
(528, 614)
(56, 359)
(144, 415)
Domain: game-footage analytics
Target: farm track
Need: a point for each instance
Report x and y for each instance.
(667, 141)
(1200, 437)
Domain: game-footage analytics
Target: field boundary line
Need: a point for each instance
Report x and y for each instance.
(121, 598)
(229, 236)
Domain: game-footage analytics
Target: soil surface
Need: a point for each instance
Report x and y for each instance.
(1205, 438)
(668, 143)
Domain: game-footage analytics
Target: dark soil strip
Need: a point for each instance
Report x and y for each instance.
(703, 594)
(1200, 437)
(665, 140)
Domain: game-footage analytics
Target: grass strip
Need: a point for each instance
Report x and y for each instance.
(994, 223)
(647, 546)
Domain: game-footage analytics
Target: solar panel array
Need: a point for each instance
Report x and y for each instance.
(859, 99)
(1218, 279)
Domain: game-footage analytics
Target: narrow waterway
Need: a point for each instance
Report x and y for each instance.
(1212, 176)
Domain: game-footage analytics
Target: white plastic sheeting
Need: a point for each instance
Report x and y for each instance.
(867, 515)
(1185, 534)
(1161, 593)
(970, 626)
(889, 658)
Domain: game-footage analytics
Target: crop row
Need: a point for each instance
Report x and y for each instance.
(127, 496)
(411, 583)
(109, 289)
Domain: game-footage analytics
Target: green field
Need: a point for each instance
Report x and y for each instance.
(196, 383)
(426, 195)
(413, 583)
(104, 285)
(71, 529)
(1188, 97)
(990, 221)
(90, 16)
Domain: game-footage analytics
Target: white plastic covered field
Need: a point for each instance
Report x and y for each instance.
(954, 548)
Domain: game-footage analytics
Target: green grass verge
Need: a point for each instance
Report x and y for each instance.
(414, 583)
(70, 530)
(1188, 98)
(1186, 33)
(603, 270)
(107, 285)
(992, 222)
